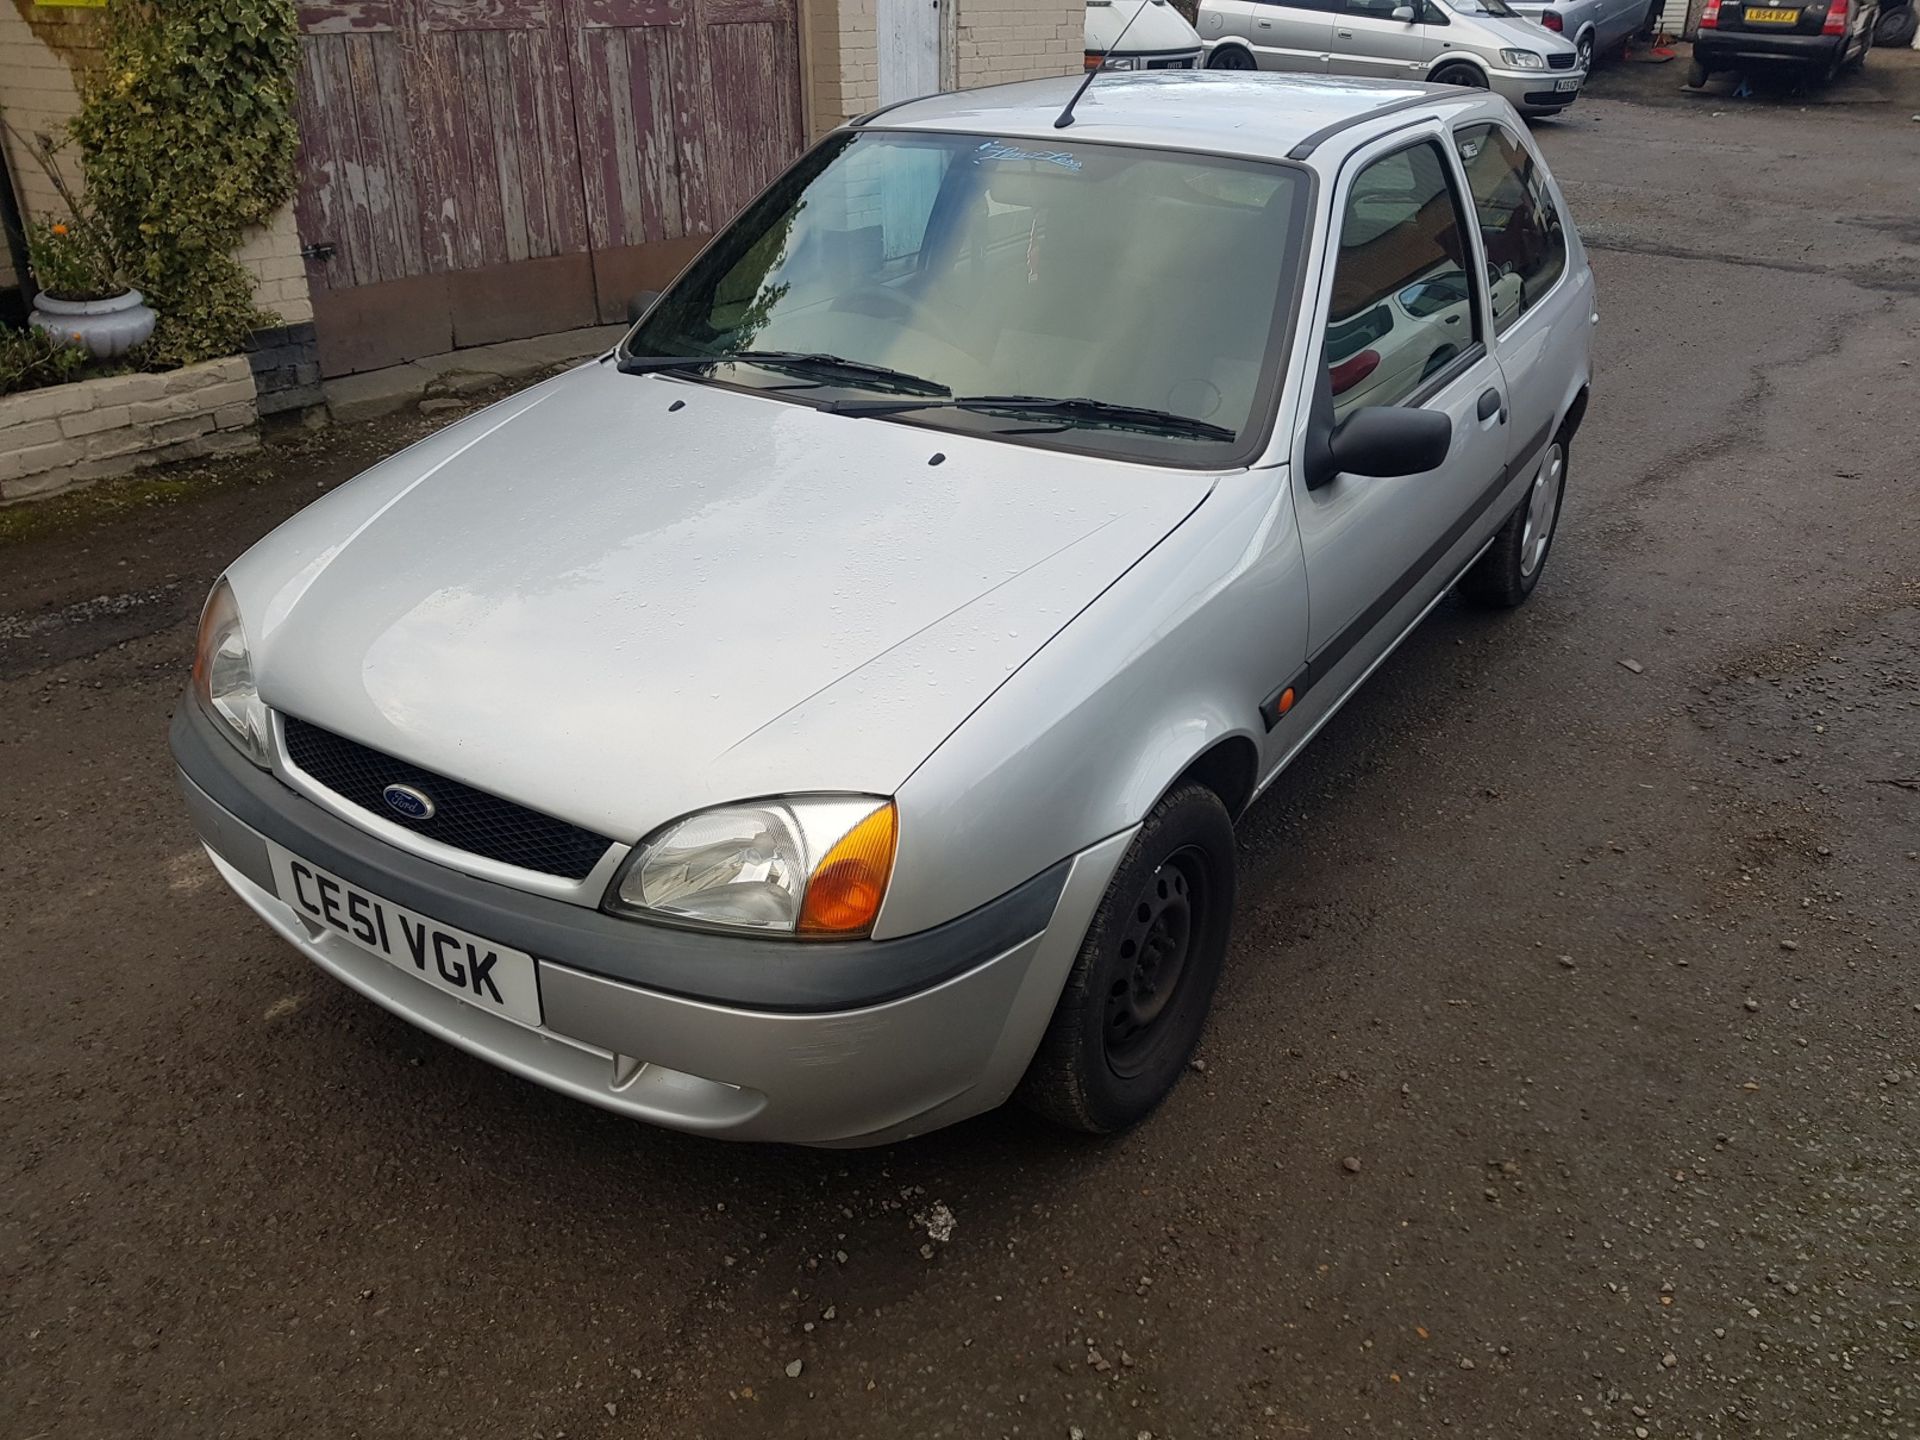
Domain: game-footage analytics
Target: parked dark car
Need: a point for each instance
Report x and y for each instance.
(1822, 38)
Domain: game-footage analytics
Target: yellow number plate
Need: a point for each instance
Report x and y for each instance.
(1773, 17)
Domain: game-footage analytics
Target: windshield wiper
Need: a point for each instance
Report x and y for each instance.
(813, 362)
(1076, 410)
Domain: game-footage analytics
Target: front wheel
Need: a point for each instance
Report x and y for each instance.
(1137, 998)
(1505, 576)
(1469, 76)
(1230, 57)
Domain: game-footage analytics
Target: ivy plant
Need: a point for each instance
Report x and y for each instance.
(187, 136)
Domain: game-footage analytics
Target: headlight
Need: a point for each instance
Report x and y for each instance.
(1523, 60)
(1125, 64)
(223, 676)
(815, 865)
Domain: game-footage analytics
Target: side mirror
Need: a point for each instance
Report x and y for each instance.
(1387, 440)
(1404, 14)
(639, 303)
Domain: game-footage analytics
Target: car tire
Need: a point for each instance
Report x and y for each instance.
(1458, 74)
(1230, 57)
(1696, 75)
(1896, 28)
(1504, 577)
(1137, 998)
(1583, 53)
(1651, 30)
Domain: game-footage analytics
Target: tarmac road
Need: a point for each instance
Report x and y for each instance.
(1604, 974)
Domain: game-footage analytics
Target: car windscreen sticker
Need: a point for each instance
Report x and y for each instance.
(1001, 150)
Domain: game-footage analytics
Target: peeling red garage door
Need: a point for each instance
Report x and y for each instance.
(479, 170)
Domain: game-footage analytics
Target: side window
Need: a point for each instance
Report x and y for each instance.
(1403, 302)
(1526, 244)
(1320, 5)
(1375, 9)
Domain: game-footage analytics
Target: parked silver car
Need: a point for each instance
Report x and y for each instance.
(826, 716)
(1596, 27)
(1482, 44)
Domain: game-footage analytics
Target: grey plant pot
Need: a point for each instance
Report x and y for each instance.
(107, 328)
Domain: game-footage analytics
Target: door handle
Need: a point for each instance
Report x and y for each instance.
(1490, 403)
(1344, 34)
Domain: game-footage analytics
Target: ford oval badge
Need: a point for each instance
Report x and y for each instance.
(407, 801)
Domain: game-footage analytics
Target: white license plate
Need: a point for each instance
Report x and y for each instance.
(478, 971)
(1568, 85)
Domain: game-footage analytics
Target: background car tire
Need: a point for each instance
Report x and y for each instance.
(1467, 75)
(1651, 30)
(1230, 57)
(1583, 53)
(1696, 75)
(1505, 576)
(1137, 998)
(1896, 28)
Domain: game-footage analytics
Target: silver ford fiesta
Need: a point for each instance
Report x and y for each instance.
(824, 717)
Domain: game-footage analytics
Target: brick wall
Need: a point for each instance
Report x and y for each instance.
(272, 253)
(988, 42)
(37, 93)
(38, 60)
(66, 435)
(1000, 40)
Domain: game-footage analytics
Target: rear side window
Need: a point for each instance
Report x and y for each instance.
(1403, 302)
(1521, 226)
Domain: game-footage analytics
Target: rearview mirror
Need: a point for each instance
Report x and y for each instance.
(1387, 440)
(1404, 14)
(639, 303)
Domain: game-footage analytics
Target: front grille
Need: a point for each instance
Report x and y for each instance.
(1561, 62)
(464, 818)
(1181, 64)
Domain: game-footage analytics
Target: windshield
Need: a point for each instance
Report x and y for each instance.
(889, 264)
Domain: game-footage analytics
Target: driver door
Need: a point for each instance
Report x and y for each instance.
(1367, 40)
(1404, 321)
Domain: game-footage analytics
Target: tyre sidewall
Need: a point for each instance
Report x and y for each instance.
(1192, 817)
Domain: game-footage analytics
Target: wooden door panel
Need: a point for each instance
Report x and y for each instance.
(483, 166)
(632, 178)
(753, 129)
(333, 17)
(470, 15)
(623, 14)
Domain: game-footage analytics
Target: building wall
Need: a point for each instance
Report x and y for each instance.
(988, 42)
(996, 41)
(39, 58)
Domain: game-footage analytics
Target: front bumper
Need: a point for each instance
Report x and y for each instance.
(852, 1070)
(1532, 92)
(1726, 49)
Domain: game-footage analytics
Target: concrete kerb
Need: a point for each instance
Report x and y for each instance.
(460, 372)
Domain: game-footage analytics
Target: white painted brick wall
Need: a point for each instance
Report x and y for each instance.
(66, 435)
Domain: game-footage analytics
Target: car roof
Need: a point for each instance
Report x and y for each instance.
(1229, 112)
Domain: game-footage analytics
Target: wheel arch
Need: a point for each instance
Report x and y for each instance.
(1448, 59)
(1230, 767)
(1231, 43)
(1576, 412)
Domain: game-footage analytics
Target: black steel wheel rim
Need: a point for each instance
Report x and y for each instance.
(1157, 939)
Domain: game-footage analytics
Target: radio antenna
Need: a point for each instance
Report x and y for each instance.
(1066, 115)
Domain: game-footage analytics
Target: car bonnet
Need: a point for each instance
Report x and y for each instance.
(619, 598)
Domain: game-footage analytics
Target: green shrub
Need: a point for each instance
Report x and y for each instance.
(187, 136)
(29, 360)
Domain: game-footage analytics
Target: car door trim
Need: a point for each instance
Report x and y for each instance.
(1337, 649)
